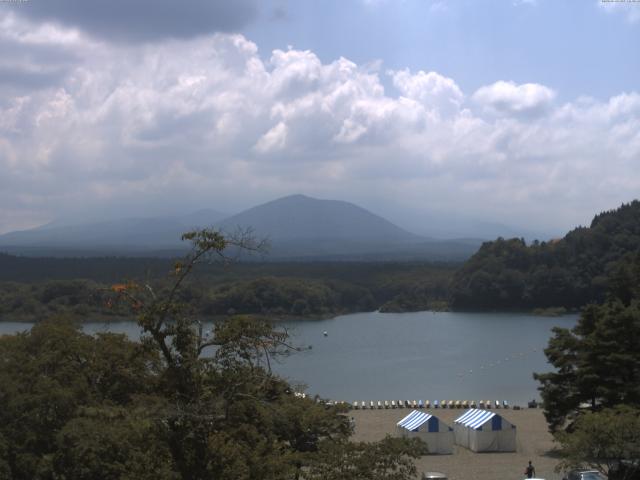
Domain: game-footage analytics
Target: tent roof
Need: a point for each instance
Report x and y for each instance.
(475, 418)
(414, 420)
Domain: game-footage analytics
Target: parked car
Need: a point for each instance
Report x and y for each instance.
(584, 475)
(434, 476)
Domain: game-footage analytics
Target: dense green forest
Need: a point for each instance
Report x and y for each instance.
(35, 288)
(569, 272)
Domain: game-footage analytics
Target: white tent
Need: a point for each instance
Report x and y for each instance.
(437, 435)
(484, 431)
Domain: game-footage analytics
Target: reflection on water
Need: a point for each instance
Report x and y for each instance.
(424, 355)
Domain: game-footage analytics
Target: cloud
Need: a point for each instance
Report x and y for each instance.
(439, 6)
(508, 98)
(629, 10)
(208, 121)
(436, 92)
(143, 20)
(274, 140)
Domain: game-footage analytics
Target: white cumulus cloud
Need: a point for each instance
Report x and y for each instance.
(189, 123)
(510, 98)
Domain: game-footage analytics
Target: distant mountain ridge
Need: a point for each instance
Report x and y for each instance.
(298, 227)
(153, 232)
(301, 217)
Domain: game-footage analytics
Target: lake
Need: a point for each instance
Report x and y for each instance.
(422, 355)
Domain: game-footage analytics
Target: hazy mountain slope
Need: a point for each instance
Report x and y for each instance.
(305, 228)
(158, 232)
(297, 227)
(301, 217)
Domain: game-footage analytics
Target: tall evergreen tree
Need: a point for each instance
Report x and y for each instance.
(598, 361)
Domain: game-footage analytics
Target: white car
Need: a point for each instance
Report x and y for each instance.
(583, 475)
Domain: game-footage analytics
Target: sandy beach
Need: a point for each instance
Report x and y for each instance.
(533, 443)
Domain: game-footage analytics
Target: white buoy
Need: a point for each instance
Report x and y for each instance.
(325, 333)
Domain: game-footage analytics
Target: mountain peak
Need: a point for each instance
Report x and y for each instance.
(297, 226)
(295, 196)
(302, 217)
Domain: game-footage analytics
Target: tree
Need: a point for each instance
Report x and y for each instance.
(54, 374)
(608, 441)
(597, 362)
(389, 459)
(113, 443)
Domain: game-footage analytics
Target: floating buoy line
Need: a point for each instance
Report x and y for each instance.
(496, 363)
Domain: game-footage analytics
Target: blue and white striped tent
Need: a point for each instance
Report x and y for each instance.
(437, 435)
(484, 431)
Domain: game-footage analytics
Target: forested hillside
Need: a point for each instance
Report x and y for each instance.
(569, 272)
(42, 287)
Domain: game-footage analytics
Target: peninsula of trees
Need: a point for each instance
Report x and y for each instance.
(569, 272)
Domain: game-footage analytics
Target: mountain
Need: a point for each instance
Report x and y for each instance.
(305, 228)
(121, 236)
(297, 227)
(298, 217)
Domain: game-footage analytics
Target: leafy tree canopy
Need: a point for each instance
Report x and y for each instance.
(608, 441)
(76, 406)
(598, 361)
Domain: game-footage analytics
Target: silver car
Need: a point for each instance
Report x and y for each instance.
(584, 475)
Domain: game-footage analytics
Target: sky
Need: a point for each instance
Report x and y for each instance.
(520, 112)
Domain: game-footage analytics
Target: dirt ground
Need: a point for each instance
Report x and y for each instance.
(532, 438)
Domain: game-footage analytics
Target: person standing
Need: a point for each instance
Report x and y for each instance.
(530, 471)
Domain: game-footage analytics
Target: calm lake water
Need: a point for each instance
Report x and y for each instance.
(423, 355)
